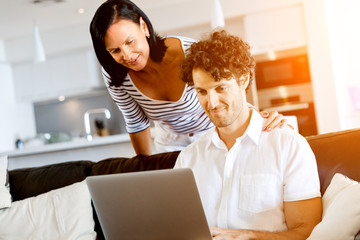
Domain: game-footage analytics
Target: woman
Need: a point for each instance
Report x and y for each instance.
(142, 74)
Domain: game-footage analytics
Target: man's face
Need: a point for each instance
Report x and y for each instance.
(223, 101)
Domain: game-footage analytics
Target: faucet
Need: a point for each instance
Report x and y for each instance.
(87, 119)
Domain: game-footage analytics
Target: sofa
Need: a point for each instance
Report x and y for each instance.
(337, 152)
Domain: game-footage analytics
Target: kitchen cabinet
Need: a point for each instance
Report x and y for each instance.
(67, 75)
(278, 29)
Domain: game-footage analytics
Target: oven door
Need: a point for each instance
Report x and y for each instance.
(281, 72)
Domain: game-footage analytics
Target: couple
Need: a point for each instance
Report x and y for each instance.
(254, 184)
(142, 73)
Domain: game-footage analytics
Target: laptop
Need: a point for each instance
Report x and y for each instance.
(149, 205)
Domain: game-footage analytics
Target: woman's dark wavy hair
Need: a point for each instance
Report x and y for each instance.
(222, 55)
(110, 12)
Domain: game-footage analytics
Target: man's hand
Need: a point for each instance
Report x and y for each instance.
(301, 218)
(228, 234)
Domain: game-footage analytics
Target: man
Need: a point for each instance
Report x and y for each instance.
(253, 184)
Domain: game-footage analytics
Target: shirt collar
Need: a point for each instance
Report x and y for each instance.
(253, 131)
(215, 139)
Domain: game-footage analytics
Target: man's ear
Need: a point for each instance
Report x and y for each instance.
(244, 81)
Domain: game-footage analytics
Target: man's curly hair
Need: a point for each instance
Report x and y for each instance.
(222, 55)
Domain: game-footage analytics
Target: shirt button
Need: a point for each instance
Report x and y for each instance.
(191, 134)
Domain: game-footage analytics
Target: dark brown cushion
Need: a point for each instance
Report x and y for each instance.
(135, 164)
(30, 182)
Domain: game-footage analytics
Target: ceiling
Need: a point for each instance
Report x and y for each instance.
(17, 17)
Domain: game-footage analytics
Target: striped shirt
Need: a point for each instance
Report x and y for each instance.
(180, 117)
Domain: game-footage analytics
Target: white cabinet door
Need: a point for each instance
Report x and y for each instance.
(59, 74)
(29, 81)
(21, 87)
(85, 73)
(277, 29)
(67, 75)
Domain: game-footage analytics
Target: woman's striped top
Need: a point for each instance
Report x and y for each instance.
(181, 117)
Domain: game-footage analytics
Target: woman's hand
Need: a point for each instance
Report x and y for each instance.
(274, 120)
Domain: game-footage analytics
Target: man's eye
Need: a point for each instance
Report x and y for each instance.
(221, 89)
(201, 92)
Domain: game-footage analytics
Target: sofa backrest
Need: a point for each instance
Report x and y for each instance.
(29, 182)
(337, 152)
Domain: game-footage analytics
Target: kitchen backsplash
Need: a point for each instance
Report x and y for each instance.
(68, 116)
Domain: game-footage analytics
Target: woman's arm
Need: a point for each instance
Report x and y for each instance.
(141, 142)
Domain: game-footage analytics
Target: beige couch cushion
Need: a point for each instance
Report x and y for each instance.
(64, 213)
(341, 211)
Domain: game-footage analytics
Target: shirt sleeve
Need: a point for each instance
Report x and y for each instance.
(135, 118)
(178, 163)
(301, 179)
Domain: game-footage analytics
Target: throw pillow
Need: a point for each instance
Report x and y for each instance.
(5, 197)
(341, 210)
(64, 213)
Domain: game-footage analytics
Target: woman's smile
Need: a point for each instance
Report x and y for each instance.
(135, 61)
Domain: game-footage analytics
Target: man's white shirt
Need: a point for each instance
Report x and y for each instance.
(244, 188)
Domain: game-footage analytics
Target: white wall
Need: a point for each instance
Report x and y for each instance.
(325, 95)
(333, 46)
(343, 20)
(2, 52)
(15, 117)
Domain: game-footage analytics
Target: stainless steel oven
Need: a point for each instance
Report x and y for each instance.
(291, 100)
(284, 71)
(284, 85)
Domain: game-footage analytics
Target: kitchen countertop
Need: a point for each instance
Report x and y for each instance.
(61, 146)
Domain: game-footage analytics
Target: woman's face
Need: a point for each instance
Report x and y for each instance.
(126, 42)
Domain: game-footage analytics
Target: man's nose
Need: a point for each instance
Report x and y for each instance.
(213, 100)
